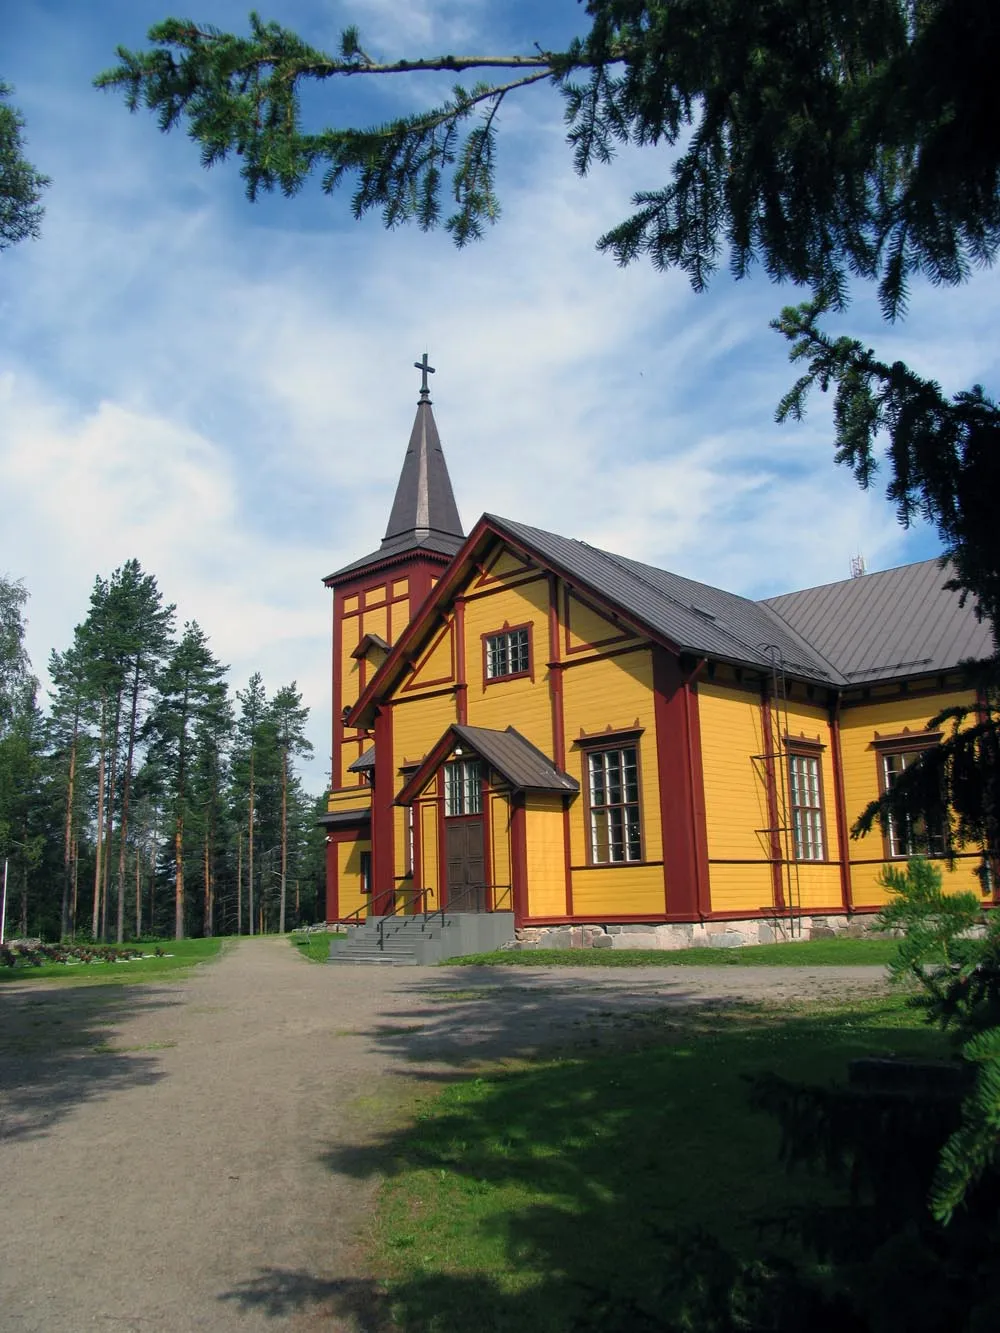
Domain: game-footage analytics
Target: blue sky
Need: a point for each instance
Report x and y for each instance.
(225, 391)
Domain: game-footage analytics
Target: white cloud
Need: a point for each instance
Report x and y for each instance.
(226, 392)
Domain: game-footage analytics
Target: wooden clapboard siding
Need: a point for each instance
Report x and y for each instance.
(736, 806)
(417, 724)
(349, 867)
(858, 725)
(612, 693)
(546, 863)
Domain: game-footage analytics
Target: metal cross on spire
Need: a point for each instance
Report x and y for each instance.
(425, 370)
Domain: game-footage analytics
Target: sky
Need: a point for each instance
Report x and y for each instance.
(225, 391)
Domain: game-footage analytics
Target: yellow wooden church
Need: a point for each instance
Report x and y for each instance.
(596, 751)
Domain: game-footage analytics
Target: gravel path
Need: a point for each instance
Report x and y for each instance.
(167, 1150)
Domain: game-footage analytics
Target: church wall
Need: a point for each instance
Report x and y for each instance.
(427, 816)
(521, 702)
(349, 875)
(370, 605)
(499, 836)
(546, 862)
(813, 885)
(418, 722)
(889, 715)
(736, 805)
(601, 694)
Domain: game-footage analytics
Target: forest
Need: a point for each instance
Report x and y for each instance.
(148, 798)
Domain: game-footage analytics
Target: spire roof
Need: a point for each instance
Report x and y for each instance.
(424, 502)
(424, 515)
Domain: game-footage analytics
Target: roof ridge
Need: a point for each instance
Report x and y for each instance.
(942, 561)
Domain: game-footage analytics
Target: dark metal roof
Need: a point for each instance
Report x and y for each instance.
(425, 502)
(424, 516)
(515, 759)
(436, 543)
(694, 617)
(371, 641)
(363, 763)
(897, 623)
(344, 818)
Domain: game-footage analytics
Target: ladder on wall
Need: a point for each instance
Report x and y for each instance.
(772, 770)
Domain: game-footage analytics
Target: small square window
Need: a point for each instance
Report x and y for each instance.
(507, 654)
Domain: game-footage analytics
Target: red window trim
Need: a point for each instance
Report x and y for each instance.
(598, 748)
(507, 628)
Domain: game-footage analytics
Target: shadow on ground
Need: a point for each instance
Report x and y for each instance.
(57, 1050)
(580, 1122)
(466, 1017)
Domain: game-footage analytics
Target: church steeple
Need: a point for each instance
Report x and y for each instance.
(424, 503)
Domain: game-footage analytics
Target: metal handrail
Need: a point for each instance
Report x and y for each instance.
(449, 906)
(343, 920)
(398, 910)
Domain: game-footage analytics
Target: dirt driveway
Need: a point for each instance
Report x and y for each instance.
(165, 1149)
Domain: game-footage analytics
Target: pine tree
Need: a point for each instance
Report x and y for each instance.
(20, 751)
(143, 626)
(251, 745)
(213, 737)
(289, 718)
(190, 685)
(21, 185)
(67, 738)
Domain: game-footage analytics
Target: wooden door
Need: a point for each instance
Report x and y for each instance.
(466, 864)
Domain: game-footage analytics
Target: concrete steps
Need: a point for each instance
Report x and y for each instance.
(410, 941)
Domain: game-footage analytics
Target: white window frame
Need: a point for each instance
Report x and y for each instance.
(615, 806)
(902, 844)
(463, 788)
(805, 786)
(508, 653)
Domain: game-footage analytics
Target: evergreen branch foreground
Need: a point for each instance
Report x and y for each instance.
(21, 184)
(826, 143)
(820, 141)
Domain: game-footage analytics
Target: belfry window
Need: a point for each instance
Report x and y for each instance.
(463, 794)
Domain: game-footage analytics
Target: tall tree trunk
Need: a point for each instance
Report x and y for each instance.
(152, 880)
(250, 849)
(24, 900)
(76, 883)
(138, 891)
(126, 789)
(179, 878)
(206, 929)
(239, 881)
(109, 812)
(100, 833)
(284, 838)
(68, 843)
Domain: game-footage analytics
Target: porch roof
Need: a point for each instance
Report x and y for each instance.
(512, 755)
(345, 818)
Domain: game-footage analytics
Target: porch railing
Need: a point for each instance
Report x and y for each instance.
(399, 909)
(503, 890)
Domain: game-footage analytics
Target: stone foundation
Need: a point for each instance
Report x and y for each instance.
(708, 934)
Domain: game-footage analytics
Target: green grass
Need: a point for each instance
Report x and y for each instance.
(515, 1196)
(799, 953)
(314, 945)
(179, 956)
